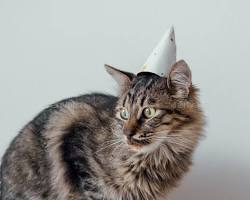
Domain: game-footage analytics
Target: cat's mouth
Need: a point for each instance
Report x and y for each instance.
(134, 144)
(137, 144)
(145, 145)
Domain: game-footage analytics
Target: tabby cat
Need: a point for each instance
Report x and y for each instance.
(136, 146)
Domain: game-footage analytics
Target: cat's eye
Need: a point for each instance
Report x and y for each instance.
(149, 112)
(124, 113)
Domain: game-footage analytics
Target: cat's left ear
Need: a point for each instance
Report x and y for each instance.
(121, 77)
(180, 79)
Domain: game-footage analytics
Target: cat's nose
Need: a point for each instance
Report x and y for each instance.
(129, 133)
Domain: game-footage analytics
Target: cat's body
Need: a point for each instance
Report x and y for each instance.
(38, 154)
(76, 148)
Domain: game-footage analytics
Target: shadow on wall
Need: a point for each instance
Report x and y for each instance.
(215, 180)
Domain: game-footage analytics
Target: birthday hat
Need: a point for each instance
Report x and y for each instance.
(163, 56)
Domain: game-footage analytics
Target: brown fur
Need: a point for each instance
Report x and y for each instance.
(81, 148)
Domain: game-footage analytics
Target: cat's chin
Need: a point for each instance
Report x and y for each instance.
(135, 148)
(133, 145)
(143, 148)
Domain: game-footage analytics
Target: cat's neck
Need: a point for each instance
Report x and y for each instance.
(149, 174)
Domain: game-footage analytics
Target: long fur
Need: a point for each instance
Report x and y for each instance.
(76, 148)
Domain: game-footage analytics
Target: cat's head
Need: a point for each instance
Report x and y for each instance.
(153, 111)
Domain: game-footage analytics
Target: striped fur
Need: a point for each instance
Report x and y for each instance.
(77, 149)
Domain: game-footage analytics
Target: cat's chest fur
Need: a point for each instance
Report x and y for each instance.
(144, 177)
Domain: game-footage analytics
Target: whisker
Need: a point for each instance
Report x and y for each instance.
(183, 145)
(171, 132)
(183, 142)
(110, 141)
(110, 145)
(173, 137)
(174, 141)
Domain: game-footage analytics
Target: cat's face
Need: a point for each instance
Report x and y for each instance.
(154, 111)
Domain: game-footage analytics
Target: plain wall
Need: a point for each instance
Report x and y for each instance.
(51, 50)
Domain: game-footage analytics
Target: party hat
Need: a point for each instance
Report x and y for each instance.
(163, 56)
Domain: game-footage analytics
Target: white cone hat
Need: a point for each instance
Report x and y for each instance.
(163, 56)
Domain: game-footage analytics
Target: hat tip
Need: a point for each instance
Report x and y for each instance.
(172, 28)
(163, 56)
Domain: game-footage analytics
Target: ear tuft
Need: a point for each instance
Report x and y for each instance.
(121, 77)
(180, 79)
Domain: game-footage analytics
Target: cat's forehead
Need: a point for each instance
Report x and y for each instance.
(145, 81)
(148, 81)
(145, 85)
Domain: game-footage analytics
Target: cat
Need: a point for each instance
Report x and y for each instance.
(136, 146)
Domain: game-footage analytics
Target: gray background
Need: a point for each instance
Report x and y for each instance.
(51, 49)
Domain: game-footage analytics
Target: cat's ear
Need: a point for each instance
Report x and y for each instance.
(180, 79)
(121, 77)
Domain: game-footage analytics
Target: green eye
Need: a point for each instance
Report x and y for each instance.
(149, 112)
(124, 113)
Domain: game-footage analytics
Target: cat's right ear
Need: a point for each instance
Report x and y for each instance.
(122, 78)
(180, 79)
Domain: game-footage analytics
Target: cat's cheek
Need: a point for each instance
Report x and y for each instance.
(162, 130)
